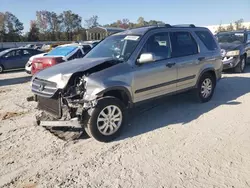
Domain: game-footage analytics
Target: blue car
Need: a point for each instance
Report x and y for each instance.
(16, 58)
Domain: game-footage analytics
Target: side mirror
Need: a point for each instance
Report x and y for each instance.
(146, 58)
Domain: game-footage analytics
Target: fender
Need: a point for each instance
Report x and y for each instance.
(202, 72)
(117, 88)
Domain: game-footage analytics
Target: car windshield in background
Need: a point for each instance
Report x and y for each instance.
(116, 46)
(61, 51)
(231, 38)
(4, 52)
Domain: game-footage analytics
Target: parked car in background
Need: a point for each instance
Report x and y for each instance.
(28, 65)
(152, 62)
(60, 54)
(91, 43)
(235, 49)
(16, 58)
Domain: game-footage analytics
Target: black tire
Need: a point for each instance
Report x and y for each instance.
(1, 69)
(206, 76)
(89, 122)
(240, 67)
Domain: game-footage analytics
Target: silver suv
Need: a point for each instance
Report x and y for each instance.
(124, 70)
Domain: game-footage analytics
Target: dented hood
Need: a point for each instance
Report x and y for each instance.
(62, 72)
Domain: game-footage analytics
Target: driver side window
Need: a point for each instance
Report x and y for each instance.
(158, 45)
(248, 37)
(10, 54)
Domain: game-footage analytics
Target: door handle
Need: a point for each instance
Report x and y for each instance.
(201, 58)
(169, 65)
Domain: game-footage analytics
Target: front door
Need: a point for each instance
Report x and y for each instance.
(153, 79)
(13, 59)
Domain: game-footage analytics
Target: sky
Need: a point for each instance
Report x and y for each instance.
(198, 12)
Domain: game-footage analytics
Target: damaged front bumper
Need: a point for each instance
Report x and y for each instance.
(62, 112)
(230, 62)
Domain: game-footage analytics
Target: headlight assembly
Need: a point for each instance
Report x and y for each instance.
(233, 53)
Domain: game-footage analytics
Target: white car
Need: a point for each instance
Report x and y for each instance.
(62, 51)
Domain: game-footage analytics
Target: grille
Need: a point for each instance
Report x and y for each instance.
(43, 87)
(53, 106)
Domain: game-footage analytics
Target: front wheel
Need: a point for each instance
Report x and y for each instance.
(240, 67)
(106, 120)
(206, 87)
(1, 69)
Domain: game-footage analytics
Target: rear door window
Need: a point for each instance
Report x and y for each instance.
(183, 44)
(27, 52)
(207, 40)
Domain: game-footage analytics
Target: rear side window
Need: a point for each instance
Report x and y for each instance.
(86, 48)
(207, 39)
(77, 55)
(183, 44)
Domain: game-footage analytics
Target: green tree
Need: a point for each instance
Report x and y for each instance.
(238, 24)
(33, 34)
(141, 22)
(2, 26)
(91, 22)
(10, 27)
(220, 29)
(70, 23)
(230, 27)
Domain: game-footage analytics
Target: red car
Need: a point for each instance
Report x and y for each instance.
(58, 55)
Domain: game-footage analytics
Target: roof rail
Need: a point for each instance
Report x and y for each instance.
(168, 25)
(184, 25)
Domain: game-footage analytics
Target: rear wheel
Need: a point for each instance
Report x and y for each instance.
(106, 120)
(206, 87)
(241, 65)
(1, 68)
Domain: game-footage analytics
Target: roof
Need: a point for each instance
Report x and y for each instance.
(143, 30)
(137, 31)
(108, 29)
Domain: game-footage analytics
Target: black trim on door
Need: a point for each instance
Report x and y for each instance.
(165, 84)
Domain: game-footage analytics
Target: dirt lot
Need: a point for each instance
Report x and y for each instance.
(174, 142)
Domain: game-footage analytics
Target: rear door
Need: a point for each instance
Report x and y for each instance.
(27, 53)
(186, 56)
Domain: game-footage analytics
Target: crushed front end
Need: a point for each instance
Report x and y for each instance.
(62, 104)
(62, 107)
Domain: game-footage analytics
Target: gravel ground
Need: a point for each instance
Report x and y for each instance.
(174, 142)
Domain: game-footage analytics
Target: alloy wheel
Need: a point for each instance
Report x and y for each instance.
(109, 120)
(206, 88)
(243, 64)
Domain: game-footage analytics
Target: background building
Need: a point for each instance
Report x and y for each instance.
(99, 33)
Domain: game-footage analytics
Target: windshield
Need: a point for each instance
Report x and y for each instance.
(61, 51)
(4, 52)
(231, 38)
(116, 46)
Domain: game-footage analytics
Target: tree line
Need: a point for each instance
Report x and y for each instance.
(66, 26)
(237, 25)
